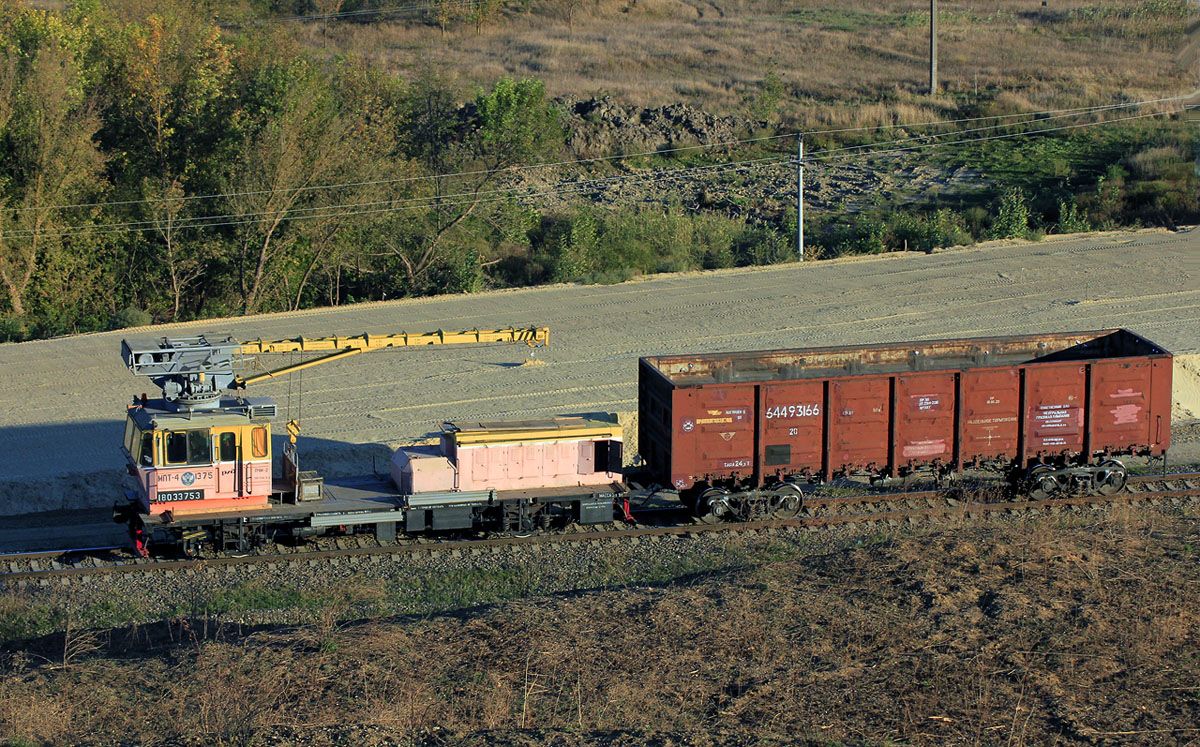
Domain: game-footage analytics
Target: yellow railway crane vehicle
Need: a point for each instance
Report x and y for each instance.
(204, 446)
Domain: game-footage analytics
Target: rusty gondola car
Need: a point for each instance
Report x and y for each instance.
(736, 433)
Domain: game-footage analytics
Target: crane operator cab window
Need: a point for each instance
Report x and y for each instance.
(188, 447)
(145, 455)
(139, 444)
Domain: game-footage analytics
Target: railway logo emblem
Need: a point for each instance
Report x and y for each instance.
(688, 426)
(728, 436)
(187, 478)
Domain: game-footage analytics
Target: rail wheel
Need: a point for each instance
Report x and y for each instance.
(1041, 483)
(712, 506)
(1110, 477)
(786, 501)
(191, 542)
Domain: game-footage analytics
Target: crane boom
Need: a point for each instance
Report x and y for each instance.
(193, 371)
(533, 336)
(344, 347)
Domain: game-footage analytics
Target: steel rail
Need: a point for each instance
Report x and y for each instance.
(953, 506)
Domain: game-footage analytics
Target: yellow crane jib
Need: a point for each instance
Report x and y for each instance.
(344, 347)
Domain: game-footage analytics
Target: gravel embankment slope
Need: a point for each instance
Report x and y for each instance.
(61, 401)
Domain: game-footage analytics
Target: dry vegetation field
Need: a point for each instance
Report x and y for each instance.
(1068, 630)
(844, 64)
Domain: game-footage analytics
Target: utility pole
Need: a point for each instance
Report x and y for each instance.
(1192, 52)
(800, 198)
(933, 81)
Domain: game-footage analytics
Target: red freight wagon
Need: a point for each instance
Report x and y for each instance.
(740, 430)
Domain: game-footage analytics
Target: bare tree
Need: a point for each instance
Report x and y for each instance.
(446, 12)
(569, 8)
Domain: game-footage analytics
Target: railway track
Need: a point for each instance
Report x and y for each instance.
(63, 567)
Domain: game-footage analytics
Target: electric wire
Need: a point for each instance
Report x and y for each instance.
(441, 200)
(1039, 115)
(318, 212)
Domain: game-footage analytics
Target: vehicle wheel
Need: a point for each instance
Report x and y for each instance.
(1110, 477)
(786, 501)
(1040, 484)
(712, 508)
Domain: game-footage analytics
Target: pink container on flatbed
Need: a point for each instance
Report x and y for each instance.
(561, 452)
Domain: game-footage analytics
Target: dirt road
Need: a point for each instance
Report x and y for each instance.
(61, 401)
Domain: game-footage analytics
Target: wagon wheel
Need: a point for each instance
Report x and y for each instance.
(712, 508)
(786, 500)
(1040, 483)
(1110, 477)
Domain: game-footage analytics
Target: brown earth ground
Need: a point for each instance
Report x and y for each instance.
(1072, 629)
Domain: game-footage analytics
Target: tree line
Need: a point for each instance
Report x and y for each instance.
(155, 166)
(167, 169)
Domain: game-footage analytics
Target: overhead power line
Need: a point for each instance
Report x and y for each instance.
(562, 189)
(1035, 116)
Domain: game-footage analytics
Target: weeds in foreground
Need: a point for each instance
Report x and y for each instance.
(979, 633)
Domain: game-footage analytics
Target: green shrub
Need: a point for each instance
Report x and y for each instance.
(864, 235)
(130, 316)
(925, 233)
(1071, 219)
(1012, 217)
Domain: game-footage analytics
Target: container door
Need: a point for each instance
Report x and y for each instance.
(1120, 405)
(924, 418)
(792, 423)
(1054, 398)
(859, 409)
(990, 414)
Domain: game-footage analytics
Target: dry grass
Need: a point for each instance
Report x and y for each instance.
(713, 53)
(1036, 631)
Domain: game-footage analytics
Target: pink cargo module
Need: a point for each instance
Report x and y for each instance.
(516, 455)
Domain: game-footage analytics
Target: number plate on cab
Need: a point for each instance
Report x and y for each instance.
(169, 496)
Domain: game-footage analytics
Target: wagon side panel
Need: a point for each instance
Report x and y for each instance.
(859, 414)
(924, 424)
(1121, 412)
(990, 415)
(713, 437)
(1054, 409)
(792, 428)
(1160, 404)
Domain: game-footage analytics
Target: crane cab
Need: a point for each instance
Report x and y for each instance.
(198, 461)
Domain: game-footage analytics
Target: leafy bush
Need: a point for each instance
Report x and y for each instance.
(863, 235)
(925, 233)
(1071, 219)
(130, 316)
(1012, 217)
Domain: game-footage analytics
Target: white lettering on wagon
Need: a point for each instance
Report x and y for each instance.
(923, 402)
(793, 411)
